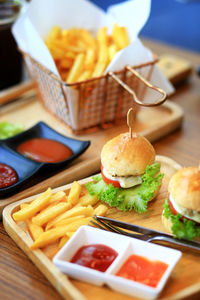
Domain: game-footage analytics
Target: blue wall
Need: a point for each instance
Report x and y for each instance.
(171, 21)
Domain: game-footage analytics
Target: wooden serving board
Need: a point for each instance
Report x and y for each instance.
(153, 123)
(185, 278)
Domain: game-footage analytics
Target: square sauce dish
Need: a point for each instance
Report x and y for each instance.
(37, 148)
(161, 261)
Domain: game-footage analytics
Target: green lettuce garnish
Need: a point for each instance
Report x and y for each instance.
(7, 129)
(131, 198)
(181, 227)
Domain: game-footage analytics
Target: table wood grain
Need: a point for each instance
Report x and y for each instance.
(19, 278)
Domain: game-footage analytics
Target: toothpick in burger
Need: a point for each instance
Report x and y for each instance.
(181, 214)
(130, 177)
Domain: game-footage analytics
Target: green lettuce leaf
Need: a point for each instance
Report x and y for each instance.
(181, 228)
(131, 198)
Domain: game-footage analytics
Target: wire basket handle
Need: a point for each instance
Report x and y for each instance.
(147, 83)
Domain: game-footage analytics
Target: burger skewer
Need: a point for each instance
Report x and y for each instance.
(130, 121)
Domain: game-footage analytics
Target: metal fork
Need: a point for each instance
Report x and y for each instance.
(142, 233)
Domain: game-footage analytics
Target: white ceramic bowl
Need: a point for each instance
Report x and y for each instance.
(125, 246)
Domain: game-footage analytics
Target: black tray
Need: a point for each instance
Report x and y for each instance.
(27, 168)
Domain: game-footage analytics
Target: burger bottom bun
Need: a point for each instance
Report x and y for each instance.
(167, 223)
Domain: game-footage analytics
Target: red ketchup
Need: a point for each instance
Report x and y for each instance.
(143, 270)
(44, 150)
(95, 256)
(8, 176)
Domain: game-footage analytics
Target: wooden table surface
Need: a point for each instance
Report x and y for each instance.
(19, 278)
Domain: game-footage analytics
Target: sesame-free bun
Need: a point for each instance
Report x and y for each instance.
(126, 156)
(184, 187)
(167, 223)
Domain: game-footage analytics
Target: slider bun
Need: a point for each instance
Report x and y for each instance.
(167, 223)
(126, 156)
(184, 187)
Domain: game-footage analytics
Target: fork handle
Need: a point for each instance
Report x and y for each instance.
(186, 244)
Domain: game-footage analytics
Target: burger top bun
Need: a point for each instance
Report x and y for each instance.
(184, 187)
(126, 156)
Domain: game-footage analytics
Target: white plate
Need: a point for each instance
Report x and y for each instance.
(125, 246)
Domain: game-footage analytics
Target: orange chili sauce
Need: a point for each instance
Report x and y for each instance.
(143, 270)
(44, 150)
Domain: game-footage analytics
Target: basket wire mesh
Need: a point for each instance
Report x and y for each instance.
(96, 102)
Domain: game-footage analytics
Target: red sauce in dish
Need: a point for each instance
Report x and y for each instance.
(8, 176)
(95, 256)
(44, 150)
(143, 270)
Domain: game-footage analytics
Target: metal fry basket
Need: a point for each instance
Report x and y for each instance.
(96, 102)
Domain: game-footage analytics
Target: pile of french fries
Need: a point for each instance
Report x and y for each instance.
(52, 218)
(80, 56)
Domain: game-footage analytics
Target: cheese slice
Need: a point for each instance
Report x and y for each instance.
(188, 213)
(125, 181)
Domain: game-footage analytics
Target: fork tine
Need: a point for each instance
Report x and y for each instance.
(128, 226)
(113, 228)
(97, 225)
(104, 226)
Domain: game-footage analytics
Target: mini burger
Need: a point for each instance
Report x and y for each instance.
(130, 177)
(181, 214)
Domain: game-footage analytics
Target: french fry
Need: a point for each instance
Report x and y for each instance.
(85, 75)
(23, 205)
(65, 63)
(89, 59)
(102, 61)
(50, 236)
(102, 37)
(56, 52)
(88, 39)
(76, 69)
(99, 70)
(34, 229)
(74, 193)
(75, 211)
(51, 250)
(59, 196)
(87, 199)
(120, 37)
(79, 55)
(112, 50)
(34, 207)
(65, 238)
(68, 220)
(50, 213)
(100, 210)
(70, 233)
(63, 241)
(54, 33)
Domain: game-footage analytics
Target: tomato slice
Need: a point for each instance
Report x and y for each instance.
(115, 183)
(173, 210)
